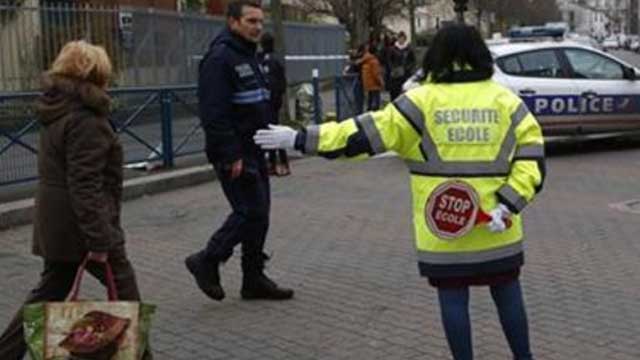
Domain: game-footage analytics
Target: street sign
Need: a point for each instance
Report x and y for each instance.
(451, 210)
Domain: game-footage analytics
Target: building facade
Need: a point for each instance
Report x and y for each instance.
(600, 18)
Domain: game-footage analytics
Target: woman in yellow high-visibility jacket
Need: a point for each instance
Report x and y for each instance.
(470, 144)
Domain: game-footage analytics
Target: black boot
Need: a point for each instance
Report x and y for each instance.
(206, 274)
(259, 286)
(256, 285)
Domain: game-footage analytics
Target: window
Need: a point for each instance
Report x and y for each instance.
(542, 63)
(590, 65)
(512, 65)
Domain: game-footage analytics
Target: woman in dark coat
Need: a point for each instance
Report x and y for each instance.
(80, 185)
(274, 70)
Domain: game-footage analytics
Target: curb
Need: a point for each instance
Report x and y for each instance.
(20, 212)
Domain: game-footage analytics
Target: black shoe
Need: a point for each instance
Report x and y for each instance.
(207, 276)
(260, 287)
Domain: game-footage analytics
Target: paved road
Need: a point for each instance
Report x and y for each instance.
(341, 236)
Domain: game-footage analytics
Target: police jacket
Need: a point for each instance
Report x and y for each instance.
(473, 138)
(233, 98)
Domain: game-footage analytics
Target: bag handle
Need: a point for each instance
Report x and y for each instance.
(112, 293)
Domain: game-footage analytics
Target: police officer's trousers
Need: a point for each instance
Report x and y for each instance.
(250, 199)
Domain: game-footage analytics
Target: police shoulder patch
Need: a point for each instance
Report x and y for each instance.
(244, 70)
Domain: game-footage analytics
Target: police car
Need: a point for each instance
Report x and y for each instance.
(570, 88)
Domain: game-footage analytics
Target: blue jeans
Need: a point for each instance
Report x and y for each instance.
(454, 308)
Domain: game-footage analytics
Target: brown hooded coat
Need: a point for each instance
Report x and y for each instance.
(80, 173)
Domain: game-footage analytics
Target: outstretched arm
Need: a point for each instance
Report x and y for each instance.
(363, 136)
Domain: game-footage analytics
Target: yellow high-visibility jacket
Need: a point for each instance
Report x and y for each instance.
(478, 133)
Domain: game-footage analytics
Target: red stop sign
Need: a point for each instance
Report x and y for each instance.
(451, 209)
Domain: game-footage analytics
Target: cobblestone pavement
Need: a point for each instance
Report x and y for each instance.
(341, 236)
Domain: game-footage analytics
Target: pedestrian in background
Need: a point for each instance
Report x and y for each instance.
(372, 81)
(352, 70)
(385, 59)
(234, 103)
(277, 83)
(402, 61)
(470, 144)
(79, 194)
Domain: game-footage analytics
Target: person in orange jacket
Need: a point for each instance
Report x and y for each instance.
(372, 82)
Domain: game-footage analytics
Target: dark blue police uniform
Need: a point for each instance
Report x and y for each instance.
(234, 103)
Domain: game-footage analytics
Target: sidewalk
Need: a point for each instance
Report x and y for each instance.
(341, 236)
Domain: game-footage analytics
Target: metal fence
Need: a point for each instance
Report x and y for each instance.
(154, 124)
(148, 47)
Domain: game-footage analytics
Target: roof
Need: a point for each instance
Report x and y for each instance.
(511, 48)
(500, 49)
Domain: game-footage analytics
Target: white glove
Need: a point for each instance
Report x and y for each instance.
(498, 215)
(277, 137)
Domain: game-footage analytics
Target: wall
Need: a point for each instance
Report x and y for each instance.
(20, 39)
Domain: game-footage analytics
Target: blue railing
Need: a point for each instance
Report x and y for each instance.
(154, 124)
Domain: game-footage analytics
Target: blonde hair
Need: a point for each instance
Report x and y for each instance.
(84, 61)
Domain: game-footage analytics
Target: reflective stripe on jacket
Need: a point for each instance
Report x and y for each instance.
(479, 133)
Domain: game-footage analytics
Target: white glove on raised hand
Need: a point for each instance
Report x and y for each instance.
(497, 223)
(277, 137)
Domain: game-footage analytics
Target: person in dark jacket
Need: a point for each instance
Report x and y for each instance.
(352, 77)
(235, 103)
(277, 82)
(79, 193)
(402, 61)
(385, 59)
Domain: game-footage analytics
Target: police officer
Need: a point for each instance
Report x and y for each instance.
(234, 103)
(474, 151)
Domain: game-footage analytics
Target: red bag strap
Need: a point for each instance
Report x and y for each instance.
(112, 293)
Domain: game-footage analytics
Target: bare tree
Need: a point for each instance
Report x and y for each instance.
(529, 13)
(634, 23)
(362, 18)
(280, 50)
(412, 18)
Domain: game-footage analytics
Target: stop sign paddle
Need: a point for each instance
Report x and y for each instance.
(453, 210)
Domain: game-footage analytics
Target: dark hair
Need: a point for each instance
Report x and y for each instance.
(234, 9)
(267, 42)
(402, 34)
(454, 49)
